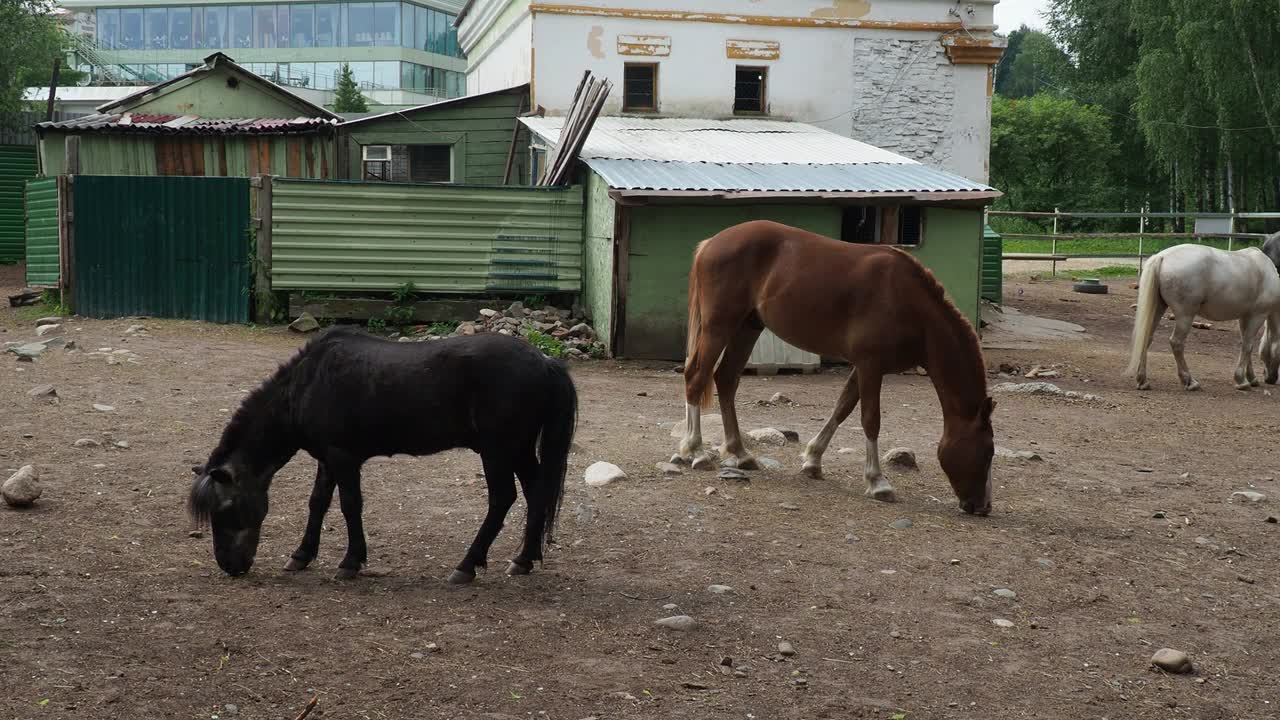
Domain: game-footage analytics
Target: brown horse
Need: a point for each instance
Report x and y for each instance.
(875, 306)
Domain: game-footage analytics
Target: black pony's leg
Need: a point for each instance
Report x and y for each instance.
(352, 503)
(321, 497)
(535, 516)
(498, 476)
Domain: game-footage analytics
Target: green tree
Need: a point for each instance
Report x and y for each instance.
(347, 97)
(29, 40)
(1049, 151)
(1032, 62)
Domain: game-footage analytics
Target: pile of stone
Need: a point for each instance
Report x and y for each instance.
(568, 326)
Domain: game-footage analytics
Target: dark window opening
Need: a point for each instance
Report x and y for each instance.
(909, 225)
(860, 225)
(430, 163)
(640, 87)
(379, 170)
(749, 90)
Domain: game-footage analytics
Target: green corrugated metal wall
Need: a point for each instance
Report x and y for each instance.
(992, 266)
(42, 232)
(442, 238)
(173, 247)
(17, 164)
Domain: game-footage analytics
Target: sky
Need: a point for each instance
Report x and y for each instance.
(1012, 13)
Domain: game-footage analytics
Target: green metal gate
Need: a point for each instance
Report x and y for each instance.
(992, 266)
(17, 164)
(42, 232)
(175, 247)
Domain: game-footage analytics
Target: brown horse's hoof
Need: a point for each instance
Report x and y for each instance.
(294, 565)
(515, 568)
(458, 577)
(346, 574)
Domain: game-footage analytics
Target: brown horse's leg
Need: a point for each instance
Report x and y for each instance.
(699, 368)
(869, 388)
(818, 445)
(727, 376)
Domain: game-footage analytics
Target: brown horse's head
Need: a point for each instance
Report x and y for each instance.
(965, 454)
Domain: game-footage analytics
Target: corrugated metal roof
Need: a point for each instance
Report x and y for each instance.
(717, 141)
(188, 124)
(777, 177)
(750, 156)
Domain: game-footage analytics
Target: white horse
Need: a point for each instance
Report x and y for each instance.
(1216, 285)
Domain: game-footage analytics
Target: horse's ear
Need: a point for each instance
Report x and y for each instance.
(197, 470)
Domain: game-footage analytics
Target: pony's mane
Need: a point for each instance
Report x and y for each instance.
(968, 334)
(264, 399)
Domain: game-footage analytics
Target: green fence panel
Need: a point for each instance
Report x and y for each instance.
(992, 266)
(347, 236)
(174, 247)
(42, 232)
(17, 165)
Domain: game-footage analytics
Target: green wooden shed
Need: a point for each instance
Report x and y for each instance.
(656, 187)
(475, 140)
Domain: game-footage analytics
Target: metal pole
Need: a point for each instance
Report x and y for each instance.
(1142, 229)
(1054, 247)
(1231, 228)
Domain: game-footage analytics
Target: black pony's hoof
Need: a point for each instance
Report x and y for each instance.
(458, 577)
(516, 568)
(346, 574)
(294, 565)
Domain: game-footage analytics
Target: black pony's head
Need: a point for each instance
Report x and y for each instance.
(234, 504)
(1271, 247)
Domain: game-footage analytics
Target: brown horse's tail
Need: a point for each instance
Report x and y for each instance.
(692, 359)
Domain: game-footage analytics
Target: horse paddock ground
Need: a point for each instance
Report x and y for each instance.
(1123, 540)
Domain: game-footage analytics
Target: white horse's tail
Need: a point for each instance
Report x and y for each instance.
(1144, 323)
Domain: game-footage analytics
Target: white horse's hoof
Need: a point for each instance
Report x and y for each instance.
(740, 462)
(679, 459)
(704, 462)
(1144, 385)
(1193, 386)
(881, 491)
(812, 470)
(1253, 382)
(1245, 387)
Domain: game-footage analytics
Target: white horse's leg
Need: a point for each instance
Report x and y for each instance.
(818, 445)
(1158, 312)
(1178, 343)
(1249, 326)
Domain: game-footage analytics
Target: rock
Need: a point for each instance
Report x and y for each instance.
(1006, 593)
(846, 451)
(642, 393)
(668, 469)
(44, 330)
(768, 436)
(195, 534)
(769, 463)
(304, 324)
(790, 435)
(87, 443)
(901, 457)
(1200, 325)
(603, 473)
(709, 490)
(1001, 622)
(405, 338)
(791, 507)
(466, 328)
(895, 634)
(122, 444)
(850, 538)
(1159, 515)
(135, 329)
(1004, 452)
(901, 524)
(488, 313)
(431, 647)
(1174, 661)
(584, 513)
(1273, 519)
(733, 474)
(231, 708)
(29, 351)
(719, 589)
(786, 649)
(1249, 496)
(677, 622)
(581, 330)
(103, 408)
(517, 309)
(780, 399)
(51, 320)
(22, 488)
(1041, 372)
(44, 391)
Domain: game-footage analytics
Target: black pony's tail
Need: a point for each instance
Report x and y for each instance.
(558, 424)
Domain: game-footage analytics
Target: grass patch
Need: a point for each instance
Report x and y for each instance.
(1119, 247)
(547, 345)
(1107, 271)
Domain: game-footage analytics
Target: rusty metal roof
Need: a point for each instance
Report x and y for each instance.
(657, 156)
(188, 124)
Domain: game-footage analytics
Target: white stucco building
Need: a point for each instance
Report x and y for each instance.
(911, 76)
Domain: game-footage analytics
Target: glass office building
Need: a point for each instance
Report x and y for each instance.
(408, 46)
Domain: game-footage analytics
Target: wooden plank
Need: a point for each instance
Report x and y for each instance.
(889, 225)
(293, 157)
(251, 148)
(264, 151)
(311, 157)
(197, 157)
(71, 165)
(511, 151)
(424, 311)
(222, 157)
(262, 276)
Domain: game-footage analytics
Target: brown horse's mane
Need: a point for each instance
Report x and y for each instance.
(969, 336)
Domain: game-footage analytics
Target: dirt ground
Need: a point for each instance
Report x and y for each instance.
(1123, 540)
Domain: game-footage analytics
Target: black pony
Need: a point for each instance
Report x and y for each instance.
(347, 397)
